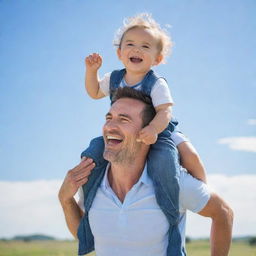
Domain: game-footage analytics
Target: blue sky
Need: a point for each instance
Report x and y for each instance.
(46, 118)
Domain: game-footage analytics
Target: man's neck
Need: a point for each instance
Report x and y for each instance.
(122, 177)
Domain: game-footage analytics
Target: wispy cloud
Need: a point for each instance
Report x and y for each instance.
(251, 121)
(240, 143)
(33, 207)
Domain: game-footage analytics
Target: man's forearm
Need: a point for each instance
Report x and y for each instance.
(222, 221)
(221, 233)
(73, 215)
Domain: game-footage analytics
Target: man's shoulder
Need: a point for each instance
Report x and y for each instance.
(188, 182)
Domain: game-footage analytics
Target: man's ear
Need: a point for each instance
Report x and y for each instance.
(159, 59)
(118, 52)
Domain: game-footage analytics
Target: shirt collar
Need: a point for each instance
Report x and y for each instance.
(105, 184)
(144, 178)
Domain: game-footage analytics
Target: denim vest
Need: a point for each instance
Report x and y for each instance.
(162, 166)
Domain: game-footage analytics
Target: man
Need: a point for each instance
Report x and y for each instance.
(124, 217)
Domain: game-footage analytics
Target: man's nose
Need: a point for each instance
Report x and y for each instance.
(110, 125)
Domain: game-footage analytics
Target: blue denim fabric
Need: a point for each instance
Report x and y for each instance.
(95, 151)
(84, 233)
(163, 168)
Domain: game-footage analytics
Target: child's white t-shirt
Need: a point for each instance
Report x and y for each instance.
(160, 93)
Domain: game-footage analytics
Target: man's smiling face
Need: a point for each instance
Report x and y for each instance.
(123, 123)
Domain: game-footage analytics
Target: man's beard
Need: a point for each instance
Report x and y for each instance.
(124, 156)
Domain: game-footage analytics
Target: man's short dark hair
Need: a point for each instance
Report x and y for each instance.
(148, 112)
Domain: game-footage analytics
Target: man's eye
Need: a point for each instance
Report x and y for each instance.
(145, 46)
(129, 44)
(124, 120)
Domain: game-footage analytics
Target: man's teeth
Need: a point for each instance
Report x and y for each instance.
(112, 138)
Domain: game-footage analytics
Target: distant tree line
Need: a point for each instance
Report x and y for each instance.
(28, 238)
(252, 241)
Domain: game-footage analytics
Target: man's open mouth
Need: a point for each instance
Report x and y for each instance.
(136, 60)
(113, 139)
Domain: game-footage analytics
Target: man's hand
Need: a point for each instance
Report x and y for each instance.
(93, 62)
(148, 135)
(74, 179)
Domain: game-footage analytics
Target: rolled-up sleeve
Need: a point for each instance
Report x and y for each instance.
(194, 194)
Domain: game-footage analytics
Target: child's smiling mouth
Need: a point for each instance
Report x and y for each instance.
(136, 60)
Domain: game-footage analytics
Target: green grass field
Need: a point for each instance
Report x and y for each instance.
(69, 248)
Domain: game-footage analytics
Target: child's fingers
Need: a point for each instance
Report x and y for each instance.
(141, 137)
(145, 141)
(139, 140)
(93, 60)
(96, 58)
(148, 139)
(88, 60)
(95, 55)
(142, 134)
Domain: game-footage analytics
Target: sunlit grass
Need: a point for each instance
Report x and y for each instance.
(38, 248)
(69, 248)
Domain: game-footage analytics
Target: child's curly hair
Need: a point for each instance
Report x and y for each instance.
(145, 20)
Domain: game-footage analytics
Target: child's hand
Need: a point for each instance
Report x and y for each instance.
(148, 135)
(93, 61)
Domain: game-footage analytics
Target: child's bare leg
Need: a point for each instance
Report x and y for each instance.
(191, 161)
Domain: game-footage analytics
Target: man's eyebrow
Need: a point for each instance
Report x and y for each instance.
(120, 115)
(125, 115)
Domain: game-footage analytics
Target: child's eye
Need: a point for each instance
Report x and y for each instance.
(130, 44)
(145, 46)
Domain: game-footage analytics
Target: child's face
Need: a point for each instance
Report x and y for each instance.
(139, 50)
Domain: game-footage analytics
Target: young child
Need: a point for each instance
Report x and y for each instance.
(142, 44)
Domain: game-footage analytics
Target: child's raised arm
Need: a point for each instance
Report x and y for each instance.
(93, 63)
(149, 133)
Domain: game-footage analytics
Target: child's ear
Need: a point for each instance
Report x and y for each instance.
(118, 52)
(159, 59)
